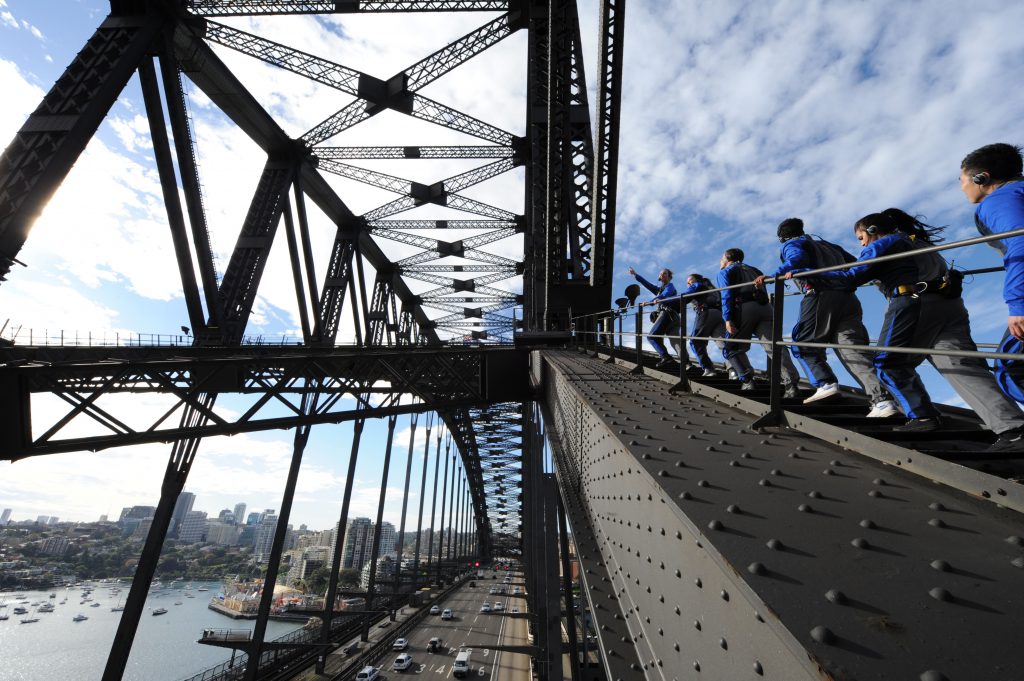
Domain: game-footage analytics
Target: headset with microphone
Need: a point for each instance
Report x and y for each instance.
(980, 179)
(871, 229)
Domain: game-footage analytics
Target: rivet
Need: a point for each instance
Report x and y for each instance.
(875, 493)
(663, 448)
(822, 634)
(745, 455)
(702, 483)
(775, 545)
(932, 675)
(794, 455)
(878, 481)
(758, 669)
(940, 594)
(675, 647)
(709, 448)
(696, 625)
(679, 574)
(828, 471)
(680, 464)
(805, 508)
(662, 473)
(633, 443)
(1015, 540)
(765, 483)
(936, 522)
(684, 495)
(733, 508)
(835, 596)
(814, 494)
(1018, 562)
(936, 506)
(734, 464)
(723, 644)
(867, 524)
(647, 456)
(940, 565)
(696, 666)
(756, 569)
(860, 543)
(698, 583)
(775, 471)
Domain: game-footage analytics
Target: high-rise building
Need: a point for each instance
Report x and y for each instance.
(222, 533)
(253, 519)
(103, 518)
(136, 512)
(226, 516)
(142, 529)
(42, 519)
(358, 543)
(52, 520)
(55, 546)
(181, 508)
(193, 527)
(265, 537)
(5, 517)
(388, 539)
(239, 513)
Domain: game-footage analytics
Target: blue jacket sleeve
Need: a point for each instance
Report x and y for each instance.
(795, 255)
(858, 274)
(1002, 211)
(646, 284)
(669, 291)
(722, 280)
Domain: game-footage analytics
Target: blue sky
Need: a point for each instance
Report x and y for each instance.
(735, 116)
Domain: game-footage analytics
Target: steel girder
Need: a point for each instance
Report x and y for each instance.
(740, 553)
(442, 379)
(212, 8)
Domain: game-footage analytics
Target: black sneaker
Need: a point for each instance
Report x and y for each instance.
(662, 363)
(919, 425)
(748, 385)
(1010, 441)
(790, 392)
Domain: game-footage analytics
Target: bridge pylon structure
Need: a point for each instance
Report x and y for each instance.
(431, 313)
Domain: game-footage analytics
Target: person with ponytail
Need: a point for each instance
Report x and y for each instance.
(945, 325)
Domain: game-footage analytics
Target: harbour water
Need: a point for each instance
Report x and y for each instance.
(165, 649)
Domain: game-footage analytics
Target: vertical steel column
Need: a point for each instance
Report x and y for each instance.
(307, 247)
(683, 385)
(570, 605)
(339, 542)
(293, 258)
(460, 500)
(433, 506)
(375, 549)
(178, 465)
(169, 187)
(413, 419)
(252, 664)
(551, 667)
(423, 492)
(451, 514)
(638, 337)
(775, 416)
(444, 497)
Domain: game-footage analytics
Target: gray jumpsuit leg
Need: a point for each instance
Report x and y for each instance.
(946, 324)
(763, 330)
(850, 330)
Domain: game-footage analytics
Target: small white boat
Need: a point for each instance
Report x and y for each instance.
(29, 620)
(160, 611)
(79, 618)
(4, 617)
(95, 605)
(202, 588)
(177, 602)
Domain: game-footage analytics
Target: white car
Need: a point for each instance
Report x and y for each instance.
(516, 591)
(434, 610)
(486, 607)
(368, 673)
(447, 614)
(402, 662)
(498, 607)
(400, 644)
(492, 590)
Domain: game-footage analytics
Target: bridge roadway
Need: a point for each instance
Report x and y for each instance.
(711, 550)
(498, 639)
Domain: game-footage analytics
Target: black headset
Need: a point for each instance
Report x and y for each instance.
(871, 229)
(980, 178)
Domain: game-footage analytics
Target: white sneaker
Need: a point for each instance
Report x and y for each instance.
(823, 392)
(708, 373)
(884, 409)
(732, 375)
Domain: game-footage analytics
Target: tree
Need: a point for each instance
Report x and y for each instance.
(316, 581)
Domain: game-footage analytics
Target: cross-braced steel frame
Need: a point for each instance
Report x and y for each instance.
(448, 291)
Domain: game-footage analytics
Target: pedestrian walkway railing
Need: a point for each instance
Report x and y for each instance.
(597, 330)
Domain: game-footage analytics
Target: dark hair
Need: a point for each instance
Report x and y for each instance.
(790, 228)
(893, 220)
(665, 269)
(694, 275)
(734, 254)
(1001, 161)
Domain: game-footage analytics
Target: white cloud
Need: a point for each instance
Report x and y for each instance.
(8, 19)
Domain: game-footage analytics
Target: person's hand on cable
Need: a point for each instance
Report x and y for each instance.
(1016, 326)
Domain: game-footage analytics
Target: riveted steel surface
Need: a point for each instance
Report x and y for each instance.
(736, 554)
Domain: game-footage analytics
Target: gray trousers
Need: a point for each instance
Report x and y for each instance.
(755, 319)
(831, 316)
(945, 325)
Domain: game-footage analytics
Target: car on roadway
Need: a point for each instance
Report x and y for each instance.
(472, 585)
(461, 666)
(486, 607)
(384, 625)
(351, 648)
(492, 590)
(401, 663)
(447, 614)
(400, 644)
(434, 645)
(434, 610)
(498, 607)
(368, 673)
(514, 611)
(516, 591)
